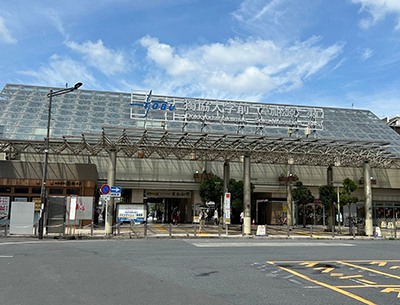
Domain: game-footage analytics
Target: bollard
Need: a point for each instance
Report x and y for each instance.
(311, 231)
(219, 229)
(288, 231)
(119, 228)
(354, 232)
(333, 231)
(145, 229)
(91, 229)
(170, 230)
(395, 229)
(194, 229)
(5, 229)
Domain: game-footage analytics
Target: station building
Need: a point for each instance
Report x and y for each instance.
(159, 148)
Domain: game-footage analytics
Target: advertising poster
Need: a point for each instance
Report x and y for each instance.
(131, 212)
(4, 207)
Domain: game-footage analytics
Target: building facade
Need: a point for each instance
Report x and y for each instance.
(159, 148)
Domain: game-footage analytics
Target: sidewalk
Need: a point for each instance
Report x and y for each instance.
(166, 230)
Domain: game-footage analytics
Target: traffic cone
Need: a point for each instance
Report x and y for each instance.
(253, 223)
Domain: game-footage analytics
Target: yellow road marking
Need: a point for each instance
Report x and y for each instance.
(367, 286)
(302, 233)
(328, 270)
(395, 267)
(336, 274)
(319, 268)
(371, 270)
(368, 282)
(356, 297)
(308, 264)
(350, 276)
(392, 289)
(161, 228)
(380, 264)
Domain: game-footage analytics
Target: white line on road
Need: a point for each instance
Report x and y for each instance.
(267, 244)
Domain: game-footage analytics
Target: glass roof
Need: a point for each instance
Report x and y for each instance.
(24, 110)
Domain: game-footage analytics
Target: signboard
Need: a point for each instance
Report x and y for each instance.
(227, 208)
(115, 191)
(4, 207)
(261, 231)
(72, 207)
(105, 189)
(131, 212)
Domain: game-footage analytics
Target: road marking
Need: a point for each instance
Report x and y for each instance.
(6, 256)
(367, 286)
(329, 286)
(395, 267)
(350, 277)
(336, 274)
(265, 244)
(160, 228)
(308, 264)
(328, 270)
(392, 290)
(368, 282)
(380, 264)
(371, 270)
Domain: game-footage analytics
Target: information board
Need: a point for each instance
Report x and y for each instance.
(131, 212)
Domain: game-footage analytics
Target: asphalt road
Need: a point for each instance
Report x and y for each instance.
(199, 271)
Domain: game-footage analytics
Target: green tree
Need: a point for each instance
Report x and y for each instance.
(349, 186)
(302, 196)
(211, 189)
(327, 196)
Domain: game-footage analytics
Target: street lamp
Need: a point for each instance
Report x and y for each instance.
(43, 195)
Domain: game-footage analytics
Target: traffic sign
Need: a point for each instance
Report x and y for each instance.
(116, 189)
(105, 189)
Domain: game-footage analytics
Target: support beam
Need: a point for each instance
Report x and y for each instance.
(112, 162)
(289, 203)
(246, 196)
(368, 199)
(226, 176)
(329, 181)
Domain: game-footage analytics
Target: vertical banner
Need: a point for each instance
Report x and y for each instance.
(72, 207)
(227, 208)
(4, 207)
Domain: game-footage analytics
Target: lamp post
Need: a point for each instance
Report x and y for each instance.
(43, 195)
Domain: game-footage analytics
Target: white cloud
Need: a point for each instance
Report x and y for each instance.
(366, 53)
(378, 9)
(5, 35)
(102, 58)
(61, 70)
(238, 67)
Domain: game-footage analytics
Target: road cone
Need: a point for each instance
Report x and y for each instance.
(253, 223)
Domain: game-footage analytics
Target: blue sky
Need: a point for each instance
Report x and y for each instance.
(334, 53)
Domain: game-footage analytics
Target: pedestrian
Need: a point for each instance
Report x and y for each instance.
(203, 216)
(216, 220)
(241, 219)
(175, 215)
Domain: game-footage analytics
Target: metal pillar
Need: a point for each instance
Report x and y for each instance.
(246, 196)
(111, 182)
(226, 187)
(329, 181)
(368, 199)
(226, 176)
(289, 207)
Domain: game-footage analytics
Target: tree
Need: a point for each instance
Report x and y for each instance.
(302, 196)
(211, 189)
(327, 196)
(349, 186)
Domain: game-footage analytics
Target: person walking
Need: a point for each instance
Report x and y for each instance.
(175, 215)
(203, 216)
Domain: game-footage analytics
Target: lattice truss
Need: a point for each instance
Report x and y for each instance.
(158, 144)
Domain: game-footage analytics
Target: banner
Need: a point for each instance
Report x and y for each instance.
(4, 207)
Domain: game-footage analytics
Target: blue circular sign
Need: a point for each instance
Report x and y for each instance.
(105, 189)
